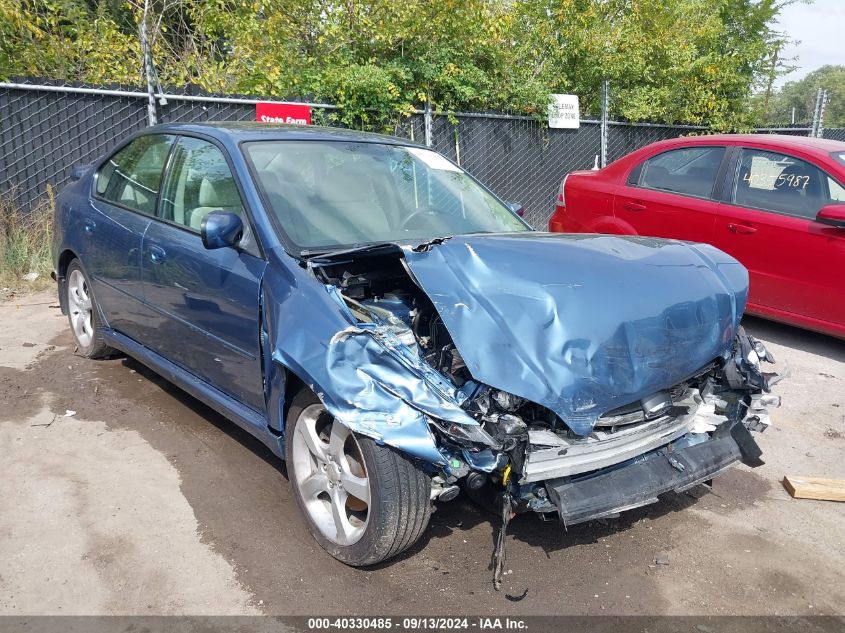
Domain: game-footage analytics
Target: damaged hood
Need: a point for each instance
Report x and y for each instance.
(582, 324)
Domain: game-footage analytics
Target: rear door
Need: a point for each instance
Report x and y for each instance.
(122, 205)
(671, 194)
(206, 301)
(768, 224)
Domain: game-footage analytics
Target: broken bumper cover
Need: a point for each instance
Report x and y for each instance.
(641, 481)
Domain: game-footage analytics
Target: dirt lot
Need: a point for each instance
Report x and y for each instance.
(146, 502)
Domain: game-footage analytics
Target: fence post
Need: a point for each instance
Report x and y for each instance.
(605, 99)
(152, 117)
(427, 119)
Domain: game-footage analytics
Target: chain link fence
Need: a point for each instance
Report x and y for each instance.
(47, 129)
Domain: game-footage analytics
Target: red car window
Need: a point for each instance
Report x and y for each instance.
(777, 182)
(689, 171)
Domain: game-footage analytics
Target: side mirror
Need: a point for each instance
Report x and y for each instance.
(220, 229)
(78, 171)
(516, 207)
(832, 215)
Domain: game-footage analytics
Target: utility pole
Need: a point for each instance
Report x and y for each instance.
(152, 117)
(818, 113)
(820, 127)
(605, 103)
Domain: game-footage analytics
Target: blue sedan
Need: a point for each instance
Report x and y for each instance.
(396, 333)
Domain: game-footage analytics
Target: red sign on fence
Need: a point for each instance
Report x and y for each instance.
(292, 113)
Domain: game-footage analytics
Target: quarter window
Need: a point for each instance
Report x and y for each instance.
(784, 184)
(689, 171)
(131, 178)
(198, 182)
(837, 191)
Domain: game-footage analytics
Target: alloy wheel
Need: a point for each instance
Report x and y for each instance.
(331, 476)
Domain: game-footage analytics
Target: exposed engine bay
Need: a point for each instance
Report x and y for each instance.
(528, 449)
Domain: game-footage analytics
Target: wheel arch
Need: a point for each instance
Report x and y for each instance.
(283, 384)
(64, 260)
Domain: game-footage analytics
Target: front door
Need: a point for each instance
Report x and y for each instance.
(769, 225)
(207, 300)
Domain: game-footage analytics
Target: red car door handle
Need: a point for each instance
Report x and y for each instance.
(634, 206)
(741, 229)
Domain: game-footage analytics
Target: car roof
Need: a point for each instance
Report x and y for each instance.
(256, 131)
(818, 146)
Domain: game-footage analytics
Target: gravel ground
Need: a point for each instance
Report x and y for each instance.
(144, 501)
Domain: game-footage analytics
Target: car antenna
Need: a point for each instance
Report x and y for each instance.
(596, 163)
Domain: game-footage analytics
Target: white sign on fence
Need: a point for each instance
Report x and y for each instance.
(564, 112)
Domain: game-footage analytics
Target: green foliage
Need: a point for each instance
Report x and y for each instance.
(66, 39)
(801, 95)
(692, 61)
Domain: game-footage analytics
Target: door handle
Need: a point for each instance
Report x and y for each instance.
(89, 226)
(741, 229)
(634, 206)
(157, 254)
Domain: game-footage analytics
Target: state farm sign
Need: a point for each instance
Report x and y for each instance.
(291, 113)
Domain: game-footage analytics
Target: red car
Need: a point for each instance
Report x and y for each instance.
(776, 203)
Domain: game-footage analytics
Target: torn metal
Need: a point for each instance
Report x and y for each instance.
(563, 361)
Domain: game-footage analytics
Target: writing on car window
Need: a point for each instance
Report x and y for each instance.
(777, 182)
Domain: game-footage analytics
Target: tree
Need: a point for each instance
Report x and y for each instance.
(675, 61)
(801, 95)
(691, 61)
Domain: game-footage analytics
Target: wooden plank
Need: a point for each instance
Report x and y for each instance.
(815, 488)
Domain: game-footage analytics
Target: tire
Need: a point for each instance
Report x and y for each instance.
(373, 529)
(83, 315)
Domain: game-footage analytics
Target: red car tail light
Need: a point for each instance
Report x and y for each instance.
(556, 220)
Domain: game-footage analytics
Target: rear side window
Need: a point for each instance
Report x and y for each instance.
(198, 182)
(690, 171)
(132, 177)
(784, 184)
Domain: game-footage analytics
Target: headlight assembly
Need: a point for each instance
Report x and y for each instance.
(466, 433)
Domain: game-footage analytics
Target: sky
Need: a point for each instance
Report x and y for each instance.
(819, 27)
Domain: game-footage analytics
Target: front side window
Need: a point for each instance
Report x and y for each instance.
(784, 184)
(690, 171)
(198, 182)
(332, 194)
(131, 178)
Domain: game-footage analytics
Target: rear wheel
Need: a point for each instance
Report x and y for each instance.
(82, 314)
(363, 503)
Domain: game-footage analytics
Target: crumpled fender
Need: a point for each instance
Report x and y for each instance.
(364, 376)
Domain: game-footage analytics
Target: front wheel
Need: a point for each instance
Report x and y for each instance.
(363, 502)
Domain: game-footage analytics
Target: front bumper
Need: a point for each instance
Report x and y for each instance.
(641, 481)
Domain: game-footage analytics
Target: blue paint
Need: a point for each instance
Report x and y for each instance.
(583, 324)
(580, 324)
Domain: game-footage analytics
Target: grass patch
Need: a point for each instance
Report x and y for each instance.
(25, 242)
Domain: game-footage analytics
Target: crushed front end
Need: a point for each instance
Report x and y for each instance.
(530, 387)
(668, 442)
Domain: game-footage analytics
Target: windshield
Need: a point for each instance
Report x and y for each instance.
(334, 194)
